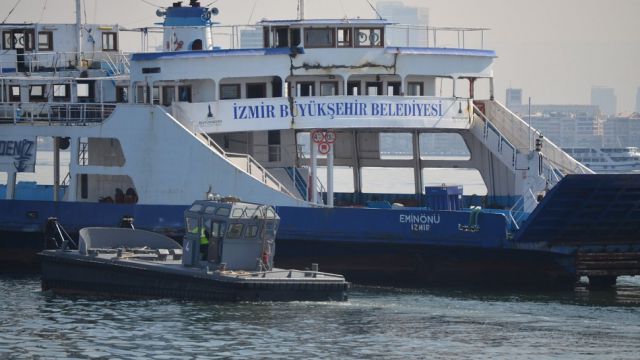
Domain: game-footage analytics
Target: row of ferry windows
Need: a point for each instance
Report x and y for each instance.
(24, 39)
(59, 92)
(325, 88)
(328, 37)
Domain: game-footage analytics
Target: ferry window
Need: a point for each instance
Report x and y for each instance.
(109, 41)
(235, 230)
(256, 91)
(156, 95)
(374, 88)
(122, 94)
(415, 89)
(393, 88)
(36, 92)
(329, 88)
(295, 37)
(6, 40)
(140, 94)
(168, 95)
(353, 88)
(344, 37)
(61, 92)
(273, 140)
(306, 88)
(85, 91)
(45, 40)
(281, 37)
(369, 37)
(252, 231)
(184, 93)
(229, 91)
(14, 93)
(318, 38)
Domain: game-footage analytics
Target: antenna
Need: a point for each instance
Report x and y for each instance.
(375, 10)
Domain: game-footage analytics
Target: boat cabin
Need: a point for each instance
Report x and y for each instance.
(231, 234)
(310, 34)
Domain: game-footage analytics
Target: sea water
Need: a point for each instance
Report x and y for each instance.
(375, 323)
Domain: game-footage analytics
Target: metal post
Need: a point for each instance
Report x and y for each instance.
(529, 123)
(314, 171)
(56, 167)
(78, 32)
(73, 168)
(330, 176)
(11, 185)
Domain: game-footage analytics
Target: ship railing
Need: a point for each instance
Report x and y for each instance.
(251, 36)
(504, 147)
(49, 61)
(517, 213)
(247, 163)
(523, 137)
(55, 113)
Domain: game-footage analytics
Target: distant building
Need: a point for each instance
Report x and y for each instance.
(638, 100)
(605, 98)
(399, 35)
(514, 97)
(566, 125)
(622, 130)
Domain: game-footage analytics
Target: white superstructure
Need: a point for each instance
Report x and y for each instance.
(169, 125)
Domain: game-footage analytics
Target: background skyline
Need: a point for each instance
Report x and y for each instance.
(554, 50)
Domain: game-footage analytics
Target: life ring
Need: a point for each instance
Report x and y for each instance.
(205, 16)
(362, 37)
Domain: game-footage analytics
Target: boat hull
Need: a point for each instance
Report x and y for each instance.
(121, 279)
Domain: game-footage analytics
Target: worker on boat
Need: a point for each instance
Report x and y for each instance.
(204, 241)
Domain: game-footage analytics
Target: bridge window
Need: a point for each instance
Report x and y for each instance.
(318, 38)
(235, 230)
(109, 41)
(18, 39)
(344, 37)
(396, 146)
(229, 91)
(369, 37)
(45, 40)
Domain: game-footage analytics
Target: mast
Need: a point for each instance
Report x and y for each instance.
(301, 9)
(78, 32)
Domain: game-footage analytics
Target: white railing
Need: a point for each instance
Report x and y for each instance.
(34, 61)
(55, 113)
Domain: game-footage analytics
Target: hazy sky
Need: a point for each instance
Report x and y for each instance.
(555, 50)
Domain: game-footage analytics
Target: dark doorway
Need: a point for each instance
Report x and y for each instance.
(197, 44)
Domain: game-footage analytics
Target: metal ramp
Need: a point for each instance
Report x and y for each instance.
(592, 212)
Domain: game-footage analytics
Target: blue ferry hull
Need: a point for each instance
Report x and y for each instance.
(410, 246)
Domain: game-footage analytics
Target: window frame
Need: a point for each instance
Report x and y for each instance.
(37, 98)
(348, 39)
(356, 42)
(67, 92)
(236, 86)
(332, 37)
(113, 44)
(49, 43)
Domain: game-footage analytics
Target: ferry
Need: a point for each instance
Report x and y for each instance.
(608, 160)
(147, 132)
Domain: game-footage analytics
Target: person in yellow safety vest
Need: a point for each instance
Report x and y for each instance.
(204, 243)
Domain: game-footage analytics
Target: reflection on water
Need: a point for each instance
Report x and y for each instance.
(376, 322)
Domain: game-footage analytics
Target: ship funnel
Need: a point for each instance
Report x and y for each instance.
(187, 28)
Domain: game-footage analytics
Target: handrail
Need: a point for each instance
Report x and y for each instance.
(55, 113)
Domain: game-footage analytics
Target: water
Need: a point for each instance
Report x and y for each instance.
(374, 323)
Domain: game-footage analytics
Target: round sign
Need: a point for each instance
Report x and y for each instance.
(323, 148)
(317, 136)
(330, 136)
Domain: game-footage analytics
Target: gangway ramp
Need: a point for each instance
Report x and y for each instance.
(600, 212)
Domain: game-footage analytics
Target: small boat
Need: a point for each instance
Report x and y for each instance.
(227, 256)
